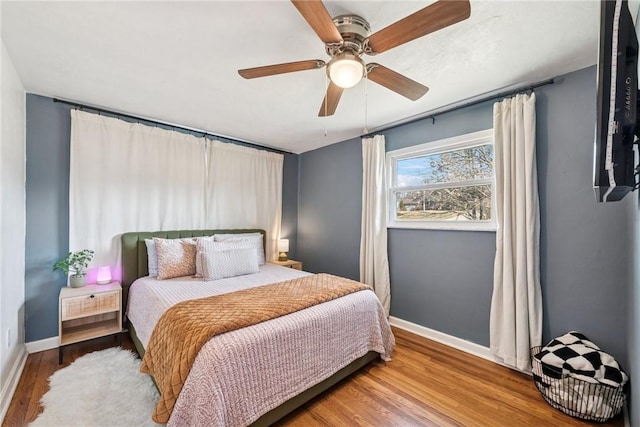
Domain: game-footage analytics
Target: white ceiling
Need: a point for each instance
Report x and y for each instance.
(177, 61)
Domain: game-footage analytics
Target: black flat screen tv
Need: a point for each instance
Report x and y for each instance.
(614, 173)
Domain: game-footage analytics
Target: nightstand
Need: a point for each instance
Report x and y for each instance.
(296, 265)
(91, 311)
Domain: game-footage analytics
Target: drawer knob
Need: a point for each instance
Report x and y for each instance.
(92, 296)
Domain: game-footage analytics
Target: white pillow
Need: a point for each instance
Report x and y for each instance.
(254, 239)
(203, 246)
(152, 256)
(198, 261)
(219, 264)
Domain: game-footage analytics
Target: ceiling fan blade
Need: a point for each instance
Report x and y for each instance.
(331, 99)
(319, 19)
(434, 17)
(289, 67)
(395, 81)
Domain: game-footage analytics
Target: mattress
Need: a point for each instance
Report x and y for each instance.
(240, 375)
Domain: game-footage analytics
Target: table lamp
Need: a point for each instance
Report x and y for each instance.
(283, 248)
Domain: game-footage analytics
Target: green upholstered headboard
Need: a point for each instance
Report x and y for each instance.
(134, 250)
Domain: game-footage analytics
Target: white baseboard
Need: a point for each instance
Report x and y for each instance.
(455, 342)
(9, 387)
(42, 345)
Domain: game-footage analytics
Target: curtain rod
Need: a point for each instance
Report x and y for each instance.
(138, 119)
(445, 110)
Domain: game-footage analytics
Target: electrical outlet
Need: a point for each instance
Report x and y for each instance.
(8, 337)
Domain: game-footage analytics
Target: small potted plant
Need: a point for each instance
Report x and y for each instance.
(75, 263)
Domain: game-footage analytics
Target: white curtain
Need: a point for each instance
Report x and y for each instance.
(516, 304)
(374, 263)
(130, 177)
(244, 190)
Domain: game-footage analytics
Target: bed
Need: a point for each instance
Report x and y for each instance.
(257, 374)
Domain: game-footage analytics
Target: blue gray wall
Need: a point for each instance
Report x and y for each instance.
(47, 188)
(443, 279)
(633, 302)
(47, 236)
(633, 317)
(585, 245)
(329, 206)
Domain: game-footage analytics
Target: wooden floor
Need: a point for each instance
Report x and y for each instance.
(426, 384)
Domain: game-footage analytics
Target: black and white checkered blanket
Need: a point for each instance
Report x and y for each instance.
(574, 354)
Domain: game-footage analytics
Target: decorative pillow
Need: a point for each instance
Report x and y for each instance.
(152, 256)
(255, 240)
(203, 246)
(176, 258)
(198, 257)
(219, 264)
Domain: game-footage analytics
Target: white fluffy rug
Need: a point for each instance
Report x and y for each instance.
(104, 388)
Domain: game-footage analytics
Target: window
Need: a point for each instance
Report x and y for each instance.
(446, 184)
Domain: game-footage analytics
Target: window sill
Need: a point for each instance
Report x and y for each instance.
(444, 226)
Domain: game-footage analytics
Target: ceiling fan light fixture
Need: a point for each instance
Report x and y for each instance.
(346, 70)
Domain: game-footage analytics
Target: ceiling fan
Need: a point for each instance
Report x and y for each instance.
(347, 38)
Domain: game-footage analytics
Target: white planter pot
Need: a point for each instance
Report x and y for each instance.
(77, 280)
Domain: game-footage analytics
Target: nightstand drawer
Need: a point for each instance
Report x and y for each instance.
(87, 305)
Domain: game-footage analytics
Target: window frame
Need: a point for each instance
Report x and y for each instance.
(459, 142)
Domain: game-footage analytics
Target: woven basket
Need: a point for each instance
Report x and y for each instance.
(576, 397)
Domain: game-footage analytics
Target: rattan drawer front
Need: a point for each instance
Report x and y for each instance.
(87, 305)
(108, 301)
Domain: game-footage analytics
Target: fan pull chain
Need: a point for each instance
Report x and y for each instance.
(366, 94)
(326, 86)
